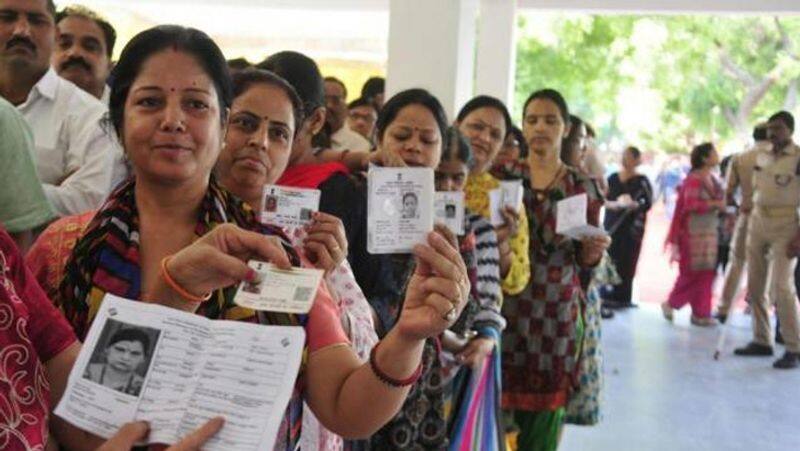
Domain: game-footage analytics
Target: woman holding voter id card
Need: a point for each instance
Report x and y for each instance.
(153, 239)
(266, 114)
(485, 122)
(541, 345)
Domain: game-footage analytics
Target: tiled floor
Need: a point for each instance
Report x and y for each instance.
(665, 392)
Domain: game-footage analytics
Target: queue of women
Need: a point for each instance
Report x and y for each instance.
(469, 340)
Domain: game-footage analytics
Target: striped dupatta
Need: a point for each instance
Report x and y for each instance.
(476, 423)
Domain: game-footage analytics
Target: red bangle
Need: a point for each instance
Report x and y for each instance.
(386, 379)
(177, 288)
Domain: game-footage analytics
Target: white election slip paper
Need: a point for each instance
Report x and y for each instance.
(400, 208)
(288, 207)
(571, 218)
(448, 207)
(279, 290)
(509, 194)
(191, 369)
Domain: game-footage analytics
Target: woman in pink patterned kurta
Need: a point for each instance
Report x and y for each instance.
(693, 237)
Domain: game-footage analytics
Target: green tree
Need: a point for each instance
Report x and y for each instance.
(664, 81)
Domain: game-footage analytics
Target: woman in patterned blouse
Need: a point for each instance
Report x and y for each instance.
(169, 105)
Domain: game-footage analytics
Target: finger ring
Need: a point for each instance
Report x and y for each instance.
(450, 315)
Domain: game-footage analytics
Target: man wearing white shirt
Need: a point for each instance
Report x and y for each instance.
(84, 45)
(73, 152)
(342, 138)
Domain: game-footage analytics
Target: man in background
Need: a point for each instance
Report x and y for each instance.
(342, 138)
(84, 44)
(362, 117)
(72, 152)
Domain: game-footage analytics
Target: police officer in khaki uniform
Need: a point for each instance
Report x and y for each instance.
(740, 177)
(774, 224)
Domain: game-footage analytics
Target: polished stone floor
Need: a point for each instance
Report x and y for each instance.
(665, 392)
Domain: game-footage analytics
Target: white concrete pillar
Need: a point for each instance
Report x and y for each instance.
(497, 50)
(432, 46)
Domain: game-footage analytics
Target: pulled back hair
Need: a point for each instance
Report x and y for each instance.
(247, 78)
(458, 147)
(408, 97)
(634, 151)
(373, 87)
(303, 74)
(131, 334)
(760, 132)
(520, 137)
(699, 155)
(785, 117)
(154, 40)
(568, 143)
(553, 96)
(484, 101)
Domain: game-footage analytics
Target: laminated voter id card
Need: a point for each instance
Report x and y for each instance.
(448, 207)
(508, 194)
(288, 207)
(279, 290)
(400, 208)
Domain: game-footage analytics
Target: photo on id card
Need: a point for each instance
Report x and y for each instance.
(288, 207)
(400, 208)
(449, 210)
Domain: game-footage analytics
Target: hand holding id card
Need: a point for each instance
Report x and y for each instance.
(509, 194)
(449, 210)
(571, 218)
(400, 208)
(288, 207)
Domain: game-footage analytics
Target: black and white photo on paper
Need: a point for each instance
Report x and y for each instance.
(122, 357)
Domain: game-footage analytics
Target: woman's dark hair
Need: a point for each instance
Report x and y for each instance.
(785, 117)
(699, 155)
(569, 143)
(139, 49)
(245, 79)
(408, 97)
(590, 130)
(304, 75)
(131, 334)
(373, 87)
(553, 96)
(520, 138)
(485, 102)
(634, 151)
(760, 132)
(458, 148)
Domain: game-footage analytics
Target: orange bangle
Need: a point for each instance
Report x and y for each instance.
(177, 288)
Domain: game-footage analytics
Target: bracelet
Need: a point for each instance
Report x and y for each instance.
(177, 288)
(386, 379)
(343, 155)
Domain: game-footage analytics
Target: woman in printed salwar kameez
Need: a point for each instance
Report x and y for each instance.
(542, 342)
